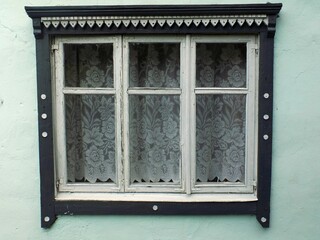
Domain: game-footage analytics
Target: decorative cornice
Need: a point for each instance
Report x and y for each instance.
(170, 18)
(135, 21)
(154, 10)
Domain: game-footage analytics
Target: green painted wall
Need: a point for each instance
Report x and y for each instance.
(295, 210)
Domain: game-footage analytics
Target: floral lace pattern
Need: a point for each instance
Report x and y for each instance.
(154, 120)
(154, 65)
(220, 138)
(90, 128)
(90, 119)
(154, 138)
(88, 65)
(221, 65)
(220, 119)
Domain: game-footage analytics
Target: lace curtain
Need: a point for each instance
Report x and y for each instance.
(154, 120)
(90, 119)
(220, 118)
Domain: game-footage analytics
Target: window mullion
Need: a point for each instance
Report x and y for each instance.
(125, 113)
(118, 109)
(187, 111)
(192, 109)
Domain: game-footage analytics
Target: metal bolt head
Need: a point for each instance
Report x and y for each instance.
(44, 134)
(266, 117)
(265, 137)
(263, 219)
(43, 96)
(44, 115)
(155, 208)
(266, 95)
(46, 219)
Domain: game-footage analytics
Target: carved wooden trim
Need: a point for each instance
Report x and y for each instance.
(126, 21)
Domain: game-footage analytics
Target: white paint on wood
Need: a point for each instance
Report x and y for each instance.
(187, 92)
(157, 197)
(197, 21)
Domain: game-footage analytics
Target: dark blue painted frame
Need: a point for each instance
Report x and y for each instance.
(50, 208)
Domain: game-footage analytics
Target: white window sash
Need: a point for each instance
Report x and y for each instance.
(154, 187)
(59, 114)
(251, 114)
(187, 92)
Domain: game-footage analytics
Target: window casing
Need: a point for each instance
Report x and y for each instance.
(214, 153)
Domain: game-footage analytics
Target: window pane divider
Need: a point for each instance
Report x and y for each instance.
(192, 104)
(221, 90)
(118, 110)
(125, 113)
(68, 90)
(160, 91)
(187, 110)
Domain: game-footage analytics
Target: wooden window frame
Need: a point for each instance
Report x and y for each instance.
(187, 91)
(58, 103)
(211, 20)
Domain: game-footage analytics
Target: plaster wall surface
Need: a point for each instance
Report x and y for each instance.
(295, 197)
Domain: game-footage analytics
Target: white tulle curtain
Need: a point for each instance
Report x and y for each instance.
(220, 118)
(154, 120)
(90, 119)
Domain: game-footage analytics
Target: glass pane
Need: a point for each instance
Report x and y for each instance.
(154, 65)
(88, 65)
(221, 65)
(90, 138)
(220, 138)
(154, 138)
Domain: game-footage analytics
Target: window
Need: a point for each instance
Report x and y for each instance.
(155, 114)
(133, 114)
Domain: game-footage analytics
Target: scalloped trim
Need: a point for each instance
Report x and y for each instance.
(153, 21)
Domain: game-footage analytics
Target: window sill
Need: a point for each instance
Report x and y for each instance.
(159, 197)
